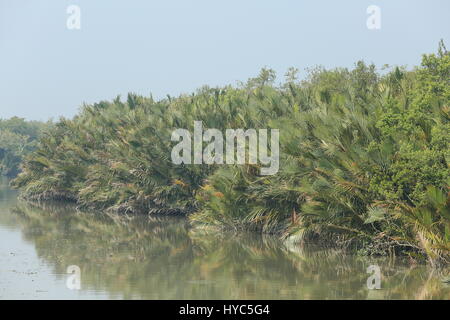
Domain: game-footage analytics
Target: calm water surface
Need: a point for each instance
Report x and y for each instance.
(137, 257)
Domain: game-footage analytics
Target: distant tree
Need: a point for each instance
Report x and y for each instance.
(18, 137)
(266, 77)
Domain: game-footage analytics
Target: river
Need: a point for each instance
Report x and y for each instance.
(141, 257)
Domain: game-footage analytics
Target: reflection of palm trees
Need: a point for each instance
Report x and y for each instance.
(160, 257)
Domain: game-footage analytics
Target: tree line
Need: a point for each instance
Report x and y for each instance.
(18, 137)
(363, 158)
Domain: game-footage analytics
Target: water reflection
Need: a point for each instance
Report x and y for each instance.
(162, 258)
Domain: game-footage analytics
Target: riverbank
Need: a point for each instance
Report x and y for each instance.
(363, 159)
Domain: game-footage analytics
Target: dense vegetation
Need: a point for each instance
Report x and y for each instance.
(363, 163)
(17, 138)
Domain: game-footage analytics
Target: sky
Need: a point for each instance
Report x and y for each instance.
(175, 46)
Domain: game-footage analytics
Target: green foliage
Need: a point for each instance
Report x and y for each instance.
(363, 163)
(17, 138)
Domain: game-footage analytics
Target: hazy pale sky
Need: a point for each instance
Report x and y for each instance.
(175, 46)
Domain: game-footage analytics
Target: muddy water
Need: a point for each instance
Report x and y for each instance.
(137, 257)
